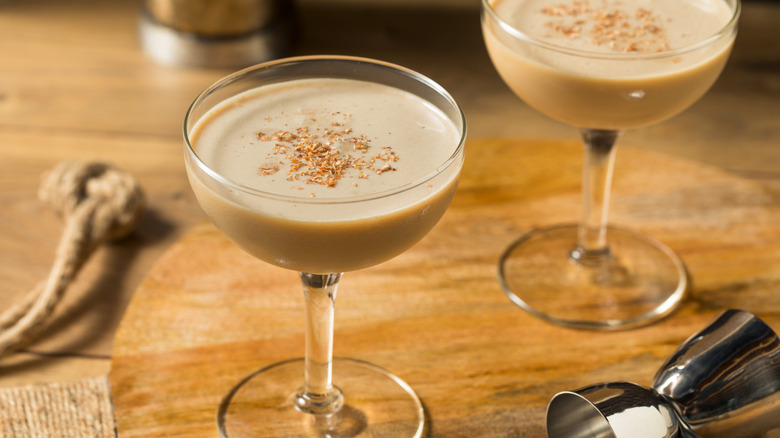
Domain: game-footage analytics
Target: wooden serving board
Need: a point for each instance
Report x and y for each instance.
(208, 314)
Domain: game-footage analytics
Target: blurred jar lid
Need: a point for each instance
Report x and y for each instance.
(216, 33)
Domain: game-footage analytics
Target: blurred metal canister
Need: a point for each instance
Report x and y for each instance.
(216, 33)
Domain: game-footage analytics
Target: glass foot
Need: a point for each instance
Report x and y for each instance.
(376, 404)
(637, 281)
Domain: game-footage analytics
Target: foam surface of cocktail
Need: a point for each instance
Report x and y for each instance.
(326, 175)
(609, 64)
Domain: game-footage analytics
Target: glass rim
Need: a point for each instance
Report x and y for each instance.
(355, 60)
(487, 8)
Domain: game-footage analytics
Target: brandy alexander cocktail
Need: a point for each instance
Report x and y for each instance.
(603, 90)
(310, 161)
(322, 165)
(603, 66)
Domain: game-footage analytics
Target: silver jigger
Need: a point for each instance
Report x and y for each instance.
(723, 382)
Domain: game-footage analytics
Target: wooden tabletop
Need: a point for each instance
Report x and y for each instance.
(208, 314)
(74, 84)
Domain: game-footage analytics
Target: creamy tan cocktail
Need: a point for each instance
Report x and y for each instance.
(326, 175)
(323, 164)
(605, 64)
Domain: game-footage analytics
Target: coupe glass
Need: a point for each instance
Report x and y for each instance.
(591, 274)
(318, 395)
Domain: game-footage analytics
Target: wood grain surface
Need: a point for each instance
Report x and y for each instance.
(75, 84)
(208, 314)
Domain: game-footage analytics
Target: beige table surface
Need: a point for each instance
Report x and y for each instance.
(74, 84)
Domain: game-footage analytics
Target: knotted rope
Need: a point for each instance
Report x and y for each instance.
(99, 203)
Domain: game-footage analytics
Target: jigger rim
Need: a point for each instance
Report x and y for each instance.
(595, 411)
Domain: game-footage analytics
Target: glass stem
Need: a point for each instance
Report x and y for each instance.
(318, 395)
(599, 162)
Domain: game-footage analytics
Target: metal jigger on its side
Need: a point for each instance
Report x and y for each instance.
(216, 33)
(723, 382)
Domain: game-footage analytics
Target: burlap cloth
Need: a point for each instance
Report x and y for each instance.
(76, 409)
